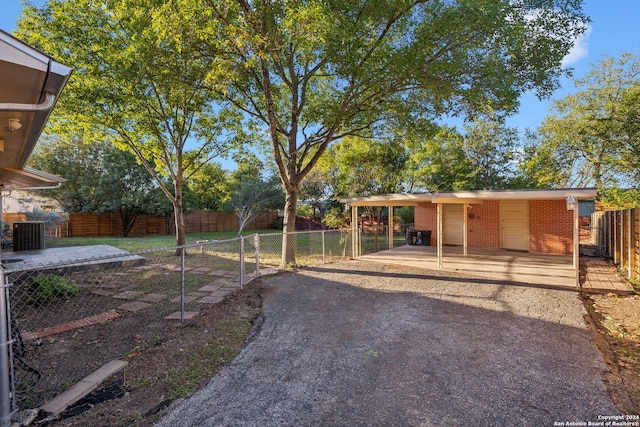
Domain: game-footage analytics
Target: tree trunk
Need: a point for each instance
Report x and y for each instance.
(128, 219)
(288, 230)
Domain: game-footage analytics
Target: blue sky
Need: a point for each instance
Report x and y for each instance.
(614, 29)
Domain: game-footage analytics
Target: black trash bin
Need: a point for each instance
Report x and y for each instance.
(426, 237)
(412, 236)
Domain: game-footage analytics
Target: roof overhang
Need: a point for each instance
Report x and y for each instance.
(28, 179)
(470, 197)
(30, 83)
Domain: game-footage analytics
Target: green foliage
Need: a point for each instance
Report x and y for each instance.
(305, 210)
(308, 73)
(619, 198)
(592, 137)
(48, 286)
(439, 163)
(100, 178)
(369, 166)
(210, 186)
(251, 194)
(297, 75)
(406, 214)
(490, 148)
(135, 85)
(336, 218)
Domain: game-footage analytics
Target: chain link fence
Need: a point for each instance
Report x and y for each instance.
(65, 319)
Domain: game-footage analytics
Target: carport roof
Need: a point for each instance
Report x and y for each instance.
(470, 196)
(30, 83)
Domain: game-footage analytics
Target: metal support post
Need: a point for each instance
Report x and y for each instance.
(241, 262)
(183, 251)
(256, 249)
(5, 354)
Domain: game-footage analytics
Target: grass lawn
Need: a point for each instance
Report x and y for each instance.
(138, 243)
(307, 243)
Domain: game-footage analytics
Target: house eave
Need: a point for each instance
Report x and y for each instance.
(470, 197)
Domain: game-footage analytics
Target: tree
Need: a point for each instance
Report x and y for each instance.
(126, 187)
(591, 136)
(251, 194)
(99, 178)
(79, 163)
(314, 191)
(439, 163)
(134, 85)
(310, 72)
(368, 166)
(490, 148)
(210, 186)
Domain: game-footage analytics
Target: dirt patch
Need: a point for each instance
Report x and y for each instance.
(616, 323)
(162, 369)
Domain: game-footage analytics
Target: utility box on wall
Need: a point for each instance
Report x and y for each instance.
(28, 235)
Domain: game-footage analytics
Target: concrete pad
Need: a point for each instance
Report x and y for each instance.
(187, 298)
(198, 294)
(188, 315)
(84, 387)
(212, 299)
(153, 298)
(134, 306)
(218, 273)
(129, 295)
(103, 292)
(212, 287)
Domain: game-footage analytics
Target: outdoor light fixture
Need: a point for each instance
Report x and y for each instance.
(14, 124)
(572, 203)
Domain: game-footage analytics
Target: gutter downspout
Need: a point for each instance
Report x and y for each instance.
(48, 103)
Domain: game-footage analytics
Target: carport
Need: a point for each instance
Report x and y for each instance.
(527, 236)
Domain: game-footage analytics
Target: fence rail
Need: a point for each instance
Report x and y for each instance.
(618, 236)
(59, 321)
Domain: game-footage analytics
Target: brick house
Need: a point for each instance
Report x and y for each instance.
(531, 221)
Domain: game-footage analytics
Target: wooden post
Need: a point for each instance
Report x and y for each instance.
(465, 227)
(576, 244)
(629, 245)
(354, 232)
(390, 226)
(439, 236)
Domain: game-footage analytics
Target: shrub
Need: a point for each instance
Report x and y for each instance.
(48, 286)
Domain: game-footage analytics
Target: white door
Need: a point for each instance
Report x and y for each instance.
(514, 225)
(452, 224)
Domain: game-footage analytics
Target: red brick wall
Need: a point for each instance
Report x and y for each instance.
(484, 225)
(426, 218)
(550, 225)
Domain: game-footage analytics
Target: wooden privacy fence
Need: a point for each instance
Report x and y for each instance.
(110, 224)
(618, 236)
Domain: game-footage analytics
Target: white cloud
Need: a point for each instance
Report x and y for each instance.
(579, 50)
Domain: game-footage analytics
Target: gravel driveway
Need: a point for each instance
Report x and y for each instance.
(364, 344)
